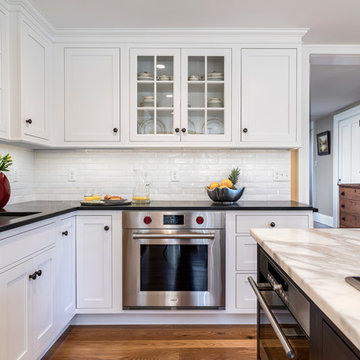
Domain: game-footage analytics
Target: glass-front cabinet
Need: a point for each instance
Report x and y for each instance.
(206, 99)
(155, 95)
(180, 95)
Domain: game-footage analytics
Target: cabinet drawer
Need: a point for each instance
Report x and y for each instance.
(245, 296)
(349, 205)
(245, 253)
(349, 193)
(348, 220)
(246, 222)
(22, 245)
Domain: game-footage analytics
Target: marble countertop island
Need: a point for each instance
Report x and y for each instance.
(318, 260)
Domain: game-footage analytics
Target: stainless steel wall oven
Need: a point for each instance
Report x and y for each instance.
(173, 260)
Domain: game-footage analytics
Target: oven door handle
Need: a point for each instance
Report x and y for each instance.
(174, 236)
(275, 325)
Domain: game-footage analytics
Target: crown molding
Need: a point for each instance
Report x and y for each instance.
(177, 35)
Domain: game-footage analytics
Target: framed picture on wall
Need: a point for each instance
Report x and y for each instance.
(323, 143)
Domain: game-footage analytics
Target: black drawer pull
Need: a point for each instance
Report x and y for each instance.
(342, 205)
(245, 130)
(33, 276)
(106, 228)
(65, 233)
(38, 273)
(115, 130)
(343, 193)
(272, 224)
(28, 121)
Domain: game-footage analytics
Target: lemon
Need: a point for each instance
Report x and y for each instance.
(89, 198)
(214, 185)
(141, 198)
(226, 183)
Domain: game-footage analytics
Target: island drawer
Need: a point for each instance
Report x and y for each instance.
(350, 193)
(246, 222)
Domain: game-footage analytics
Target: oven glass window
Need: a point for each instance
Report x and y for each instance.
(174, 268)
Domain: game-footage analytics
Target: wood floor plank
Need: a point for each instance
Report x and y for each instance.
(156, 343)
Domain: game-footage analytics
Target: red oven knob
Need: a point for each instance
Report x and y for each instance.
(147, 220)
(200, 220)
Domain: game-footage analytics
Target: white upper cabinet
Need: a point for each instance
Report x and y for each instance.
(92, 94)
(4, 50)
(206, 95)
(269, 97)
(35, 89)
(155, 95)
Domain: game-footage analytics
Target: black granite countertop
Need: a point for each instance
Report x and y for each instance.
(43, 210)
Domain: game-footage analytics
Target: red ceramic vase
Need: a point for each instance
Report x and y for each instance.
(5, 190)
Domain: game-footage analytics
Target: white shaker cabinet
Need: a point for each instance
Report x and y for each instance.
(4, 72)
(15, 313)
(35, 79)
(27, 307)
(94, 261)
(269, 97)
(65, 273)
(92, 94)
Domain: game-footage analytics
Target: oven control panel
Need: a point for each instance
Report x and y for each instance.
(173, 220)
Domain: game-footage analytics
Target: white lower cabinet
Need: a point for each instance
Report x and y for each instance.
(27, 307)
(245, 296)
(65, 273)
(241, 250)
(94, 261)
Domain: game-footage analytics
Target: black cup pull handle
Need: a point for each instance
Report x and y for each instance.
(65, 233)
(38, 273)
(106, 228)
(28, 121)
(272, 224)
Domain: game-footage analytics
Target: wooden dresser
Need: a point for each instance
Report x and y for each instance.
(349, 205)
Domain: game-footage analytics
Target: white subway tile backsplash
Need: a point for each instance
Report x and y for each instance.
(43, 174)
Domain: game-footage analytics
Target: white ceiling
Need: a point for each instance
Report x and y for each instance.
(333, 87)
(330, 21)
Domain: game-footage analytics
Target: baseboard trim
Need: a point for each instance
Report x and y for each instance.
(164, 319)
(324, 219)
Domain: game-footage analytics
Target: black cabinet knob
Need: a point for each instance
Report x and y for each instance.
(342, 193)
(177, 130)
(28, 121)
(342, 205)
(245, 130)
(38, 273)
(343, 219)
(33, 276)
(106, 228)
(115, 130)
(183, 130)
(65, 233)
(272, 224)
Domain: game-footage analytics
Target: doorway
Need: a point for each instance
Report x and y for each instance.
(334, 96)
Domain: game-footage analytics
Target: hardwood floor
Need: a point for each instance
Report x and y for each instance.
(193, 342)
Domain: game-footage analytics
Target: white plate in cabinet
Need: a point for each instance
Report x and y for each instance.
(245, 296)
(94, 261)
(246, 222)
(269, 96)
(35, 88)
(92, 94)
(246, 253)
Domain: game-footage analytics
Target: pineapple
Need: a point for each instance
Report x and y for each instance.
(234, 177)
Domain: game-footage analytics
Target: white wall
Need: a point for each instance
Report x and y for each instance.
(112, 171)
(23, 184)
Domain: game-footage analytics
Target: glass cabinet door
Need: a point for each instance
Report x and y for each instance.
(206, 106)
(155, 79)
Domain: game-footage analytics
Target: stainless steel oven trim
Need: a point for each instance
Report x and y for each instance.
(290, 353)
(215, 239)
